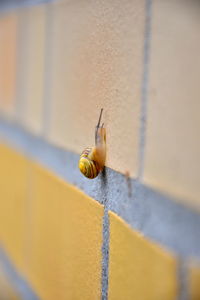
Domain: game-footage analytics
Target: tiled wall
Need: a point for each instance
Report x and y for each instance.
(173, 109)
(134, 231)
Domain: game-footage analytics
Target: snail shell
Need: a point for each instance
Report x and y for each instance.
(87, 165)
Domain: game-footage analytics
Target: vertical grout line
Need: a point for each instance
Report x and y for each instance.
(47, 99)
(105, 242)
(17, 68)
(22, 65)
(105, 253)
(144, 87)
(182, 277)
(29, 215)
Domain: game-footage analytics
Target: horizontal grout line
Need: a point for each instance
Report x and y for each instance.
(158, 217)
(17, 281)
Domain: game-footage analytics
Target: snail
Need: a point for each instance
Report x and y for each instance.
(92, 159)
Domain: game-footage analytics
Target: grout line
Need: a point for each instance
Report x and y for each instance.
(144, 88)
(22, 54)
(105, 254)
(182, 275)
(28, 251)
(106, 237)
(47, 103)
(159, 217)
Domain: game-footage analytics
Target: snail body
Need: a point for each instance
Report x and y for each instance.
(92, 159)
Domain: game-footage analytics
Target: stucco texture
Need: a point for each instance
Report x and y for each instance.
(173, 144)
(96, 62)
(138, 268)
(64, 245)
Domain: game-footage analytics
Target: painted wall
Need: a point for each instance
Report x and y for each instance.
(134, 231)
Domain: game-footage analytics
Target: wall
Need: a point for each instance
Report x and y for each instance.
(133, 232)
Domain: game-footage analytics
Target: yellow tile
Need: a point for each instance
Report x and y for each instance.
(138, 269)
(31, 67)
(7, 292)
(96, 61)
(172, 161)
(13, 189)
(8, 47)
(65, 240)
(194, 281)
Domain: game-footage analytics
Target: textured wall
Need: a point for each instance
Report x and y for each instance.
(133, 232)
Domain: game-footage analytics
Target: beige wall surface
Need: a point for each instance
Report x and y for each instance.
(8, 43)
(31, 55)
(172, 161)
(96, 61)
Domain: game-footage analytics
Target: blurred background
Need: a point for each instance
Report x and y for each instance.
(134, 231)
